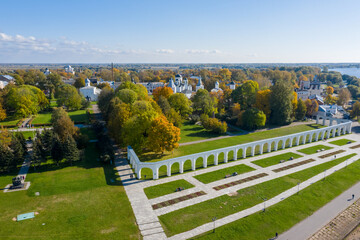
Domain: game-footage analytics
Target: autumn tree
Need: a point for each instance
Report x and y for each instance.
(62, 124)
(329, 90)
(355, 110)
(294, 103)
(166, 92)
(203, 102)
(312, 107)
(252, 118)
(330, 99)
(262, 101)
(117, 118)
(225, 74)
(163, 135)
(245, 94)
(2, 113)
(344, 96)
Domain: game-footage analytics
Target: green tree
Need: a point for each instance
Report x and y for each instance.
(300, 110)
(46, 141)
(38, 153)
(18, 151)
(62, 124)
(53, 82)
(56, 150)
(280, 102)
(104, 99)
(245, 94)
(181, 104)
(356, 110)
(70, 150)
(6, 157)
(253, 118)
(203, 103)
(79, 82)
(69, 97)
(128, 96)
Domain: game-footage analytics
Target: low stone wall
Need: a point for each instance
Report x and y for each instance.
(342, 127)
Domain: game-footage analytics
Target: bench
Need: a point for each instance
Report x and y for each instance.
(227, 175)
(179, 189)
(281, 161)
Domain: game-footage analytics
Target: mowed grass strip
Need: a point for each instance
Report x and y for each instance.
(190, 132)
(75, 202)
(42, 118)
(342, 142)
(314, 149)
(196, 215)
(226, 142)
(166, 188)
(266, 162)
(287, 213)
(220, 174)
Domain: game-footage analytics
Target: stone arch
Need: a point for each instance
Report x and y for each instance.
(279, 144)
(266, 147)
(162, 171)
(211, 159)
(221, 157)
(187, 165)
(148, 172)
(231, 154)
(175, 168)
(199, 162)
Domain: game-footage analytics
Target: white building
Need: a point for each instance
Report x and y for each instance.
(47, 72)
(5, 80)
(308, 89)
(217, 87)
(199, 85)
(150, 86)
(69, 69)
(327, 110)
(90, 93)
(181, 85)
(232, 85)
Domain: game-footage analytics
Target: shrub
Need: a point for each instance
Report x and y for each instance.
(252, 118)
(213, 124)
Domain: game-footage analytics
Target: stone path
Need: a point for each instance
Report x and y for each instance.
(148, 217)
(328, 219)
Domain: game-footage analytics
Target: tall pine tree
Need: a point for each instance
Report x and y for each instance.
(280, 102)
(56, 150)
(71, 152)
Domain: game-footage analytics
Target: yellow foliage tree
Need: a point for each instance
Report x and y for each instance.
(263, 102)
(329, 90)
(162, 91)
(163, 135)
(2, 113)
(294, 103)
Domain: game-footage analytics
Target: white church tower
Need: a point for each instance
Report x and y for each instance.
(199, 85)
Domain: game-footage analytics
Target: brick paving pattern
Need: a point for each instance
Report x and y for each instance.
(177, 200)
(220, 187)
(293, 165)
(331, 154)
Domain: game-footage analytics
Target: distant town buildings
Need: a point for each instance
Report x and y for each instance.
(150, 86)
(231, 85)
(90, 93)
(69, 69)
(181, 85)
(5, 80)
(309, 88)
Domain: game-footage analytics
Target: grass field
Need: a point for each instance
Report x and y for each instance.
(206, 146)
(9, 122)
(265, 162)
(312, 150)
(220, 174)
(166, 188)
(285, 214)
(190, 132)
(28, 134)
(78, 115)
(42, 118)
(193, 216)
(78, 202)
(341, 142)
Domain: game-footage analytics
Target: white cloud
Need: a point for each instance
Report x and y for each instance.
(202, 51)
(165, 51)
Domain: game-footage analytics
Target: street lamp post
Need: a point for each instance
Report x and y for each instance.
(264, 204)
(298, 187)
(214, 219)
(324, 174)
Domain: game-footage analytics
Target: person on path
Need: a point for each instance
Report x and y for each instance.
(353, 196)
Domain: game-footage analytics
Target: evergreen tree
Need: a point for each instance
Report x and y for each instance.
(56, 150)
(37, 153)
(300, 110)
(6, 157)
(20, 137)
(71, 152)
(280, 102)
(18, 152)
(46, 140)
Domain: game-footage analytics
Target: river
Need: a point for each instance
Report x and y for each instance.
(349, 71)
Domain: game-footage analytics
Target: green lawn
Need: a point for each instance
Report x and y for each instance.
(265, 162)
(78, 115)
(226, 142)
(312, 150)
(193, 216)
(85, 201)
(341, 142)
(285, 214)
(42, 118)
(190, 132)
(166, 188)
(28, 134)
(9, 122)
(220, 174)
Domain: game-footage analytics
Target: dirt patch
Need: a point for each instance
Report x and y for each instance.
(110, 230)
(232, 194)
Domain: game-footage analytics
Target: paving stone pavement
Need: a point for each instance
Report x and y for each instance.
(147, 218)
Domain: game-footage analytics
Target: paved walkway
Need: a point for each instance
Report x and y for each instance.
(313, 223)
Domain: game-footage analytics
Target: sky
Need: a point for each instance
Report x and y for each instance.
(195, 31)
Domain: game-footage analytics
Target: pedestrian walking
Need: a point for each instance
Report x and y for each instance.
(353, 196)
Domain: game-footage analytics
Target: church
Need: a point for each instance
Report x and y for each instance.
(181, 85)
(90, 93)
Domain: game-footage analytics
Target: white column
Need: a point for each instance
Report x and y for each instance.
(216, 159)
(244, 152)
(253, 150)
(226, 157)
(138, 173)
(205, 161)
(193, 164)
(261, 149)
(181, 167)
(235, 154)
(168, 170)
(269, 147)
(156, 173)
(276, 146)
